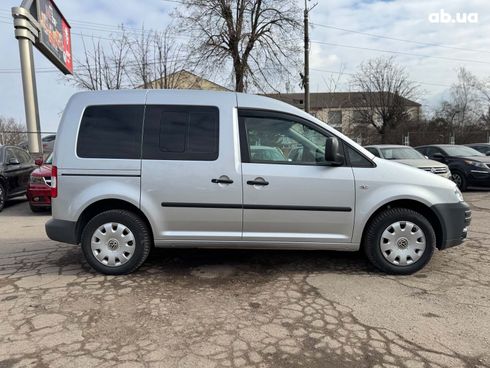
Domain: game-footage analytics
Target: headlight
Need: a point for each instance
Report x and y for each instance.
(36, 180)
(476, 163)
(458, 194)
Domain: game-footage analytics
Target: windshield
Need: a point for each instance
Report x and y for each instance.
(49, 160)
(401, 153)
(461, 151)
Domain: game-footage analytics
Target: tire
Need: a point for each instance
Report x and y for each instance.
(386, 238)
(36, 209)
(3, 197)
(116, 250)
(460, 180)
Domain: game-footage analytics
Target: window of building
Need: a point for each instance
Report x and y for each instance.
(335, 118)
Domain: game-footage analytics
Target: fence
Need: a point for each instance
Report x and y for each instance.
(423, 137)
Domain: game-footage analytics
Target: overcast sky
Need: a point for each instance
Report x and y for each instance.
(339, 40)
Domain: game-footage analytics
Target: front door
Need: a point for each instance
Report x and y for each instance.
(191, 177)
(289, 193)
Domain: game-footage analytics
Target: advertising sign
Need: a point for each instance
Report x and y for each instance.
(54, 36)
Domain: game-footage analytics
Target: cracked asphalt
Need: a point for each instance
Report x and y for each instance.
(215, 308)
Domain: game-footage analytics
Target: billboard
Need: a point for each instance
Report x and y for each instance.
(54, 39)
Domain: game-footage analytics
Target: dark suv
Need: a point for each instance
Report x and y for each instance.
(16, 166)
(468, 166)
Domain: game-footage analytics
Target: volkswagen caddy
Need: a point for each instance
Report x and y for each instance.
(179, 168)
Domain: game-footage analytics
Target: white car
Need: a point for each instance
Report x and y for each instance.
(409, 156)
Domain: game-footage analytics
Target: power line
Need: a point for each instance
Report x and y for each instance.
(401, 39)
(400, 52)
(352, 74)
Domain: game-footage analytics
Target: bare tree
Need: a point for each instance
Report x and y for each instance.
(466, 103)
(139, 59)
(465, 98)
(103, 64)
(257, 38)
(11, 131)
(384, 88)
(157, 60)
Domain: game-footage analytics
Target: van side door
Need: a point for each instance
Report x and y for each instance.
(292, 198)
(191, 178)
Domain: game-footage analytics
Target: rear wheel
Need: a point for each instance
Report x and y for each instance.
(116, 242)
(460, 180)
(3, 197)
(36, 209)
(399, 241)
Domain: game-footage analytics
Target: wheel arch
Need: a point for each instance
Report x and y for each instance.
(103, 205)
(414, 205)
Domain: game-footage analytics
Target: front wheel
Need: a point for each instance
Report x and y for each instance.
(460, 180)
(399, 241)
(116, 242)
(3, 197)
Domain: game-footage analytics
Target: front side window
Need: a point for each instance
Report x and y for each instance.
(282, 140)
(181, 133)
(111, 131)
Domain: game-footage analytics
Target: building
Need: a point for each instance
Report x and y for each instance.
(341, 110)
(184, 79)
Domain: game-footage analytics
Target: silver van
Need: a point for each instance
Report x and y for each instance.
(165, 168)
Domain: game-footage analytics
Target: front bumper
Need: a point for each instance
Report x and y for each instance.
(62, 231)
(455, 219)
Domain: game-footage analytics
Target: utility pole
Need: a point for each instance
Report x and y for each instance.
(306, 81)
(306, 75)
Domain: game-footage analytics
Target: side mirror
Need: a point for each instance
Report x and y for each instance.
(332, 152)
(426, 157)
(13, 161)
(38, 161)
(438, 156)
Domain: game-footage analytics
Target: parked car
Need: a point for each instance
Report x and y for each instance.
(47, 143)
(468, 166)
(15, 167)
(409, 156)
(480, 147)
(39, 189)
(168, 168)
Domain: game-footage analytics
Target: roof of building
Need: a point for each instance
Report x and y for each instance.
(322, 100)
(184, 79)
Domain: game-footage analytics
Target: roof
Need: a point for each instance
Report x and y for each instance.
(321, 100)
(184, 79)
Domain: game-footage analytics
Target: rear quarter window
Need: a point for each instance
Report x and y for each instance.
(111, 131)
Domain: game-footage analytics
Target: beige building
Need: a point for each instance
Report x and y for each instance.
(338, 109)
(184, 79)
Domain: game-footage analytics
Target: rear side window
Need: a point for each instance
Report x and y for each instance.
(181, 133)
(23, 156)
(111, 131)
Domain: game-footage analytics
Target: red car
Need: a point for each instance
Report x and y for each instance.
(39, 189)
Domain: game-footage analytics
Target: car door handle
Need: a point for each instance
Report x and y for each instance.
(257, 182)
(222, 181)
